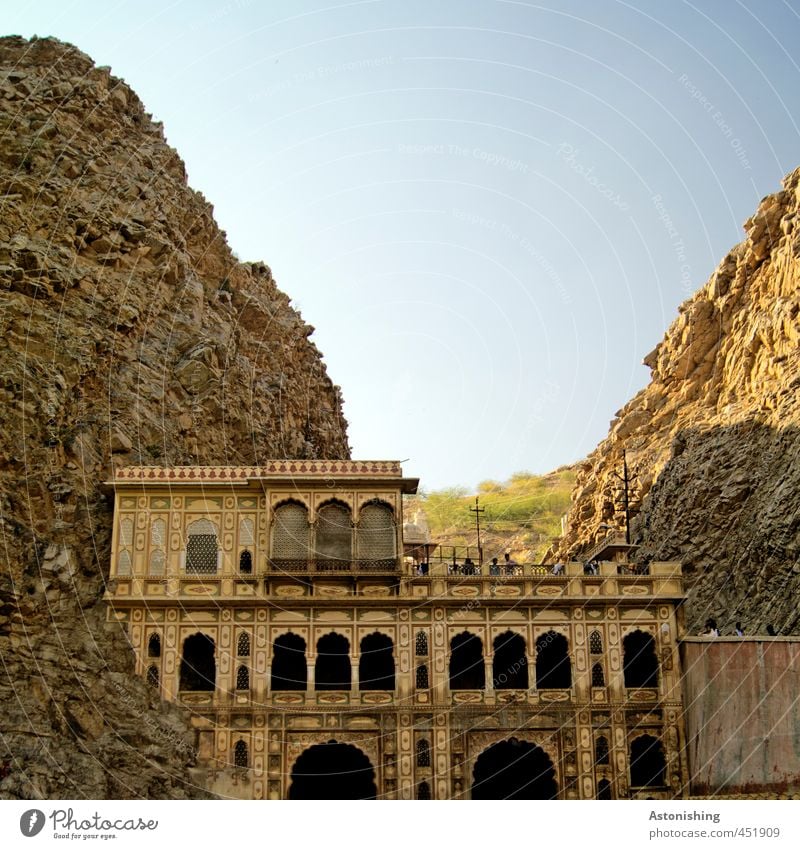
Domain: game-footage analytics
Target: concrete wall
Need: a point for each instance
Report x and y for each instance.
(742, 702)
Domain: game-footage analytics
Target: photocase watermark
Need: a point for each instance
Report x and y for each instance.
(569, 154)
(677, 243)
(67, 826)
(322, 72)
(523, 242)
(487, 156)
(719, 119)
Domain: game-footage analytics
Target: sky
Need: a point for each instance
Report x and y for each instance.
(490, 210)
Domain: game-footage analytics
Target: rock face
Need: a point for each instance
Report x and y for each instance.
(715, 437)
(130, 335)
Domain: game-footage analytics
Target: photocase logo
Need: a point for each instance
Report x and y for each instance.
(31, 822)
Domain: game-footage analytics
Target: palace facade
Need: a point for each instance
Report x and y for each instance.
(323, 654)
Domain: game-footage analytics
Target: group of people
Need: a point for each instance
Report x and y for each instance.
(711, 629)
(508, 567)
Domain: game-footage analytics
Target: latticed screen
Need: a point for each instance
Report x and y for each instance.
(422, 644)
(334, 538)
(598, 677)
(124, 563)
(157, 563)
(246, 532)
(243, 645)
(201, 548)
(126, 532)
(376, 533)
(290, 533)
(157, 532)
(240, 754)
(595, 643)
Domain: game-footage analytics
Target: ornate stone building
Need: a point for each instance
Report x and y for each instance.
(322, 659)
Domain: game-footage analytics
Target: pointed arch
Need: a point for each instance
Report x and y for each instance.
(510, 663)
(201, 547)
(243, 644)
(376, 536)
(289, 666)
(467, 669)
(242, 678)
(241, 755)
(553, 668)
(291, 534)
(152, 676)
(376, 663)
(647, 762)
(423, 752)
(595, 642)
(333, 771)
(514, 769)
(333, 536)
(332, 670)
(598, 676)
(157, 562)
(639, 663)
(154, 645)
(421, 644)
(422, 679)
(158, 533)
(198, 671)
(601, 755)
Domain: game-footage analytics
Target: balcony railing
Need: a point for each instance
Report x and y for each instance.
(334, 567)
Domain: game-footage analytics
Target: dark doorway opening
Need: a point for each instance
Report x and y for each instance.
(332, 669)
(553, 671)
(510, 667)
(198, 667)
(289, 670)
(376, 663)
(639, 664)
(647, 762)
(333, 771)
(514, 769)
(467, 670)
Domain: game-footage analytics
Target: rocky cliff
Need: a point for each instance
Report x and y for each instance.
(129, 334)
(714, 439)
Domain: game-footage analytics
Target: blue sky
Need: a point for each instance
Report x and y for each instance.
(490, 211)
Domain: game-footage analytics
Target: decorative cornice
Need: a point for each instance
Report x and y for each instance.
(387, 469)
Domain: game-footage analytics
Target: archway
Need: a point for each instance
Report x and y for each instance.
(510, 666)
(198, 666)
(289, 669)
(376, 663)
(553, 669)
(639, 664)
(333, 771)
(332, 669)
(467, 670)
(514, 769)
(648, 764)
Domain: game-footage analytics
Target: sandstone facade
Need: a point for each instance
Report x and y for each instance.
(130, 334)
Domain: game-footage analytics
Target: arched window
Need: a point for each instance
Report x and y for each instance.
(604, 789)
(422, 644)
(154, 646)
(553, 671)
(157, 561)
(290, 537)
(289, 669)
(201, 548)
(639, 664)
(332, 669)
(158, 533)
(595, 643)
(422, 677)
(243, 645)
(242, 678)
(246, 532)
(246, 563)
(241, 756)
(423, 791)
(376, 663)
(601, 751)
(423, 753)
(124, 565)
(648, 765)
(598, 676)
(376, 536)
(152, 676)
(198, 666)
(467, 670)
(510, 665)
(334, 537)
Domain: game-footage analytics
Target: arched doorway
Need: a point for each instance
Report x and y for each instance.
(639, 664)
(198, 667)
(467, 669)
(289, 669)
(332, 669)
(514, 769)
(510, 665)
(376, 663)
(553, 670)
(333, 771)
